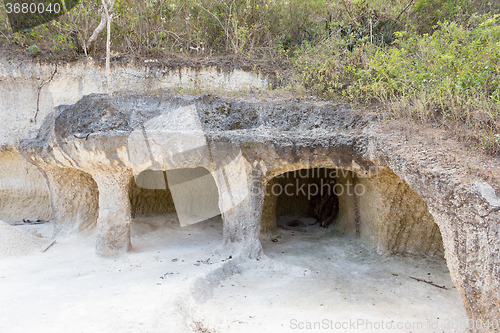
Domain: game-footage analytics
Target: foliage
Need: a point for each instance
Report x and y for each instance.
(327, 68)
(202, 27)
(250, 27)
(428, 13)
(33, 50)
(451, 76)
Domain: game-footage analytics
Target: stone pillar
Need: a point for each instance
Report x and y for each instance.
(347, 202)
(472, 256)
(241, 195)
(113, 224)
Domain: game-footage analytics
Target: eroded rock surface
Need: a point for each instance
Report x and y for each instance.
(468, 221)
(408, 206)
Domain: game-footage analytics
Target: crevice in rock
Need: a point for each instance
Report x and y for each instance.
(39, 90)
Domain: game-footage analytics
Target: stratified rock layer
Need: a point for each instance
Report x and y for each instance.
(90, 152)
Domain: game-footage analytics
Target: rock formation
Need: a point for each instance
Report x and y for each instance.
(92, 151)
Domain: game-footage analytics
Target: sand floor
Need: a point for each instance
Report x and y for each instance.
(178, 280)
(322, 281)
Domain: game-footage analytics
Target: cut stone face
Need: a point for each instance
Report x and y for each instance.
(219, 156)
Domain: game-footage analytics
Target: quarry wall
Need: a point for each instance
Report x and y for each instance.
(72, 153)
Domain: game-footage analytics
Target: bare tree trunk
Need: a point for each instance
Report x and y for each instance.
(107, 8)
(108, 39)
(96, 32)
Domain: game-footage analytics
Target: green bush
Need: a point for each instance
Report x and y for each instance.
(454, 60)
(451, 76)
(33, 50)
(328, 68)
(427, 14)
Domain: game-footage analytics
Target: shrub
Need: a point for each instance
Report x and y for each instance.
(451, 76)
(202, 27)
(33, 50)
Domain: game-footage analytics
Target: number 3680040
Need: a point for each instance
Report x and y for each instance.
(32, 8)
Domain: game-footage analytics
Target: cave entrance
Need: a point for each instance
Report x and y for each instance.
(174, 205)
(318, 197)
(383, 253)
(380, 210)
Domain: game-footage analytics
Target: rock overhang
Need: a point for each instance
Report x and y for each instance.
(99, 123)
(86, 165)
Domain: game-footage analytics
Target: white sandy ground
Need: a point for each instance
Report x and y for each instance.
(338, 285)
(318, 276)
(16, 241)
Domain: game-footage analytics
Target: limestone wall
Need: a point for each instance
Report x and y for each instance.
(74, 199)
(395, 219)
(23, 190)
(30, 91)
(348, 220)
(467, 216)
(150, 200)
(84, 153)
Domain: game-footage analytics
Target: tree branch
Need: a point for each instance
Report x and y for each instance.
(97, 31)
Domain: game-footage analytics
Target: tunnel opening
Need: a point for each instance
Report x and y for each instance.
(297, 199)
(173, 205)
(383, 250)
(379, 209)
(323, 198)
